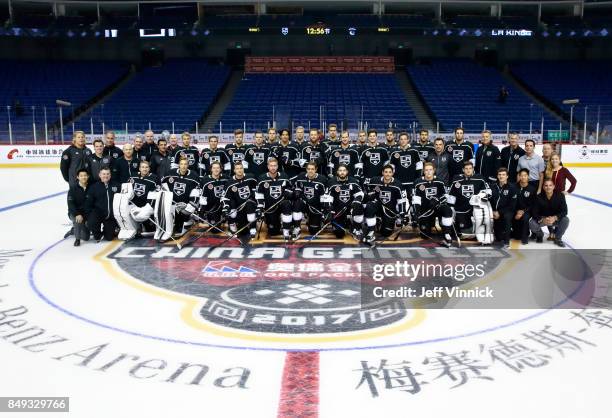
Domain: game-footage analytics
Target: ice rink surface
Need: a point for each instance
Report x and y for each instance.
(77, 322)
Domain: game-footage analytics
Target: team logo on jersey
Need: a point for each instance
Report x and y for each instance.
(171, 180)
(230, 152)
(458, 155)
(405, 161)
(488, 153)
(309, 192)
(422, 187)
(527, 194)
(424, 154)
(210, 186)
(345, 195)
(251, 152)
(244, 192)
(375, 158)
(457, 185)
(431, 192)
(449, 149)
(258, 158)
(219, 191)
(139, 189)
(266, 185)
(516, 156)
(505, 193)
(336, 154)
(385, 196)
(396, 155)
(206, 155)
(114, 189)
(215, 159)
(179, 188)
(234, 189)
(276, 191)
(344, 159)
(467, 190)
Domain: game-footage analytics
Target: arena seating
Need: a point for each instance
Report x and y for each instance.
(304, 98)
(40, 83)
(180, 91)
(462, 91)
(556, 81)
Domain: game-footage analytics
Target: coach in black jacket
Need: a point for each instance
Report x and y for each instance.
(99, 206)
(487, 159)
(76, 207)
(504, 206)
(550, 209)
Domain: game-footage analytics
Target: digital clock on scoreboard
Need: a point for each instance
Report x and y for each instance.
(317, 30)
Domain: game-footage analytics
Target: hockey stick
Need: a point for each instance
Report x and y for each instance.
(178, 245)
(325, 226)
(371, 245)
(235, 234)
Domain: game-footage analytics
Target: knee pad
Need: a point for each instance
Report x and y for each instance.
(371, 222)
(447, 221)
(297, 216)
(286, 219)
(358, 218)
(251, 217)
(233, 213)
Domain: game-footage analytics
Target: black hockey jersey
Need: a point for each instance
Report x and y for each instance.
(185, 187)
(210, 156)
(407, 164)
(142, 187)
(288, 157)
(310, 190)
(313, 152)
(344, 192)
(191, 153)
(462, 189)
(424, 149)
(236, 153)
(237, 191)
(213, 189)
(373, 160)
(427, 194)
(347, 156)
(271, 190)
(391, 195)
(257, 160)
(459, 154)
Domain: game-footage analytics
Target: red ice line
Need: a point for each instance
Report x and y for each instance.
(299, 397)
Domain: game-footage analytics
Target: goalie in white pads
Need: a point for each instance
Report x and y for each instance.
(178, 199)
(468, 195)
(133, 206)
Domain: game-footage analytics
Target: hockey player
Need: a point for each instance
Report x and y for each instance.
(312, 151)
(309, 191)
(460, 151)
(387, 200)
(288, 155)
(126, 166)
(99, 206)
(406, 163)
(429, 200)
(344, 204)
(133, 207)
(256, 158)
(213, 187)
(504, 206)
(239, 205)
(110, 149)
(299, 136)
(423, 145)
(524, 205)
(374, 157)
(214, 154)
(98, 161)
(188, 151)
(510, 156)
(346, 155)
(272, 137)
(160, 160)
(177, 201)
(238, 150)
(362, 141)
(274, 194)
(487, 158)
(330, 143)
(462, 189)
(390, 140)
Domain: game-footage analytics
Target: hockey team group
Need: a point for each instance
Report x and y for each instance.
(362, 188)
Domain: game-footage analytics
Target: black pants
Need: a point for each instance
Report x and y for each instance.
(211, 212)
(101, 225)
(503, 225)
(342, 221)
(427, 222)
(520, 227)
(463, 221)
(375, 210)
(274, 218)
(312, 213)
